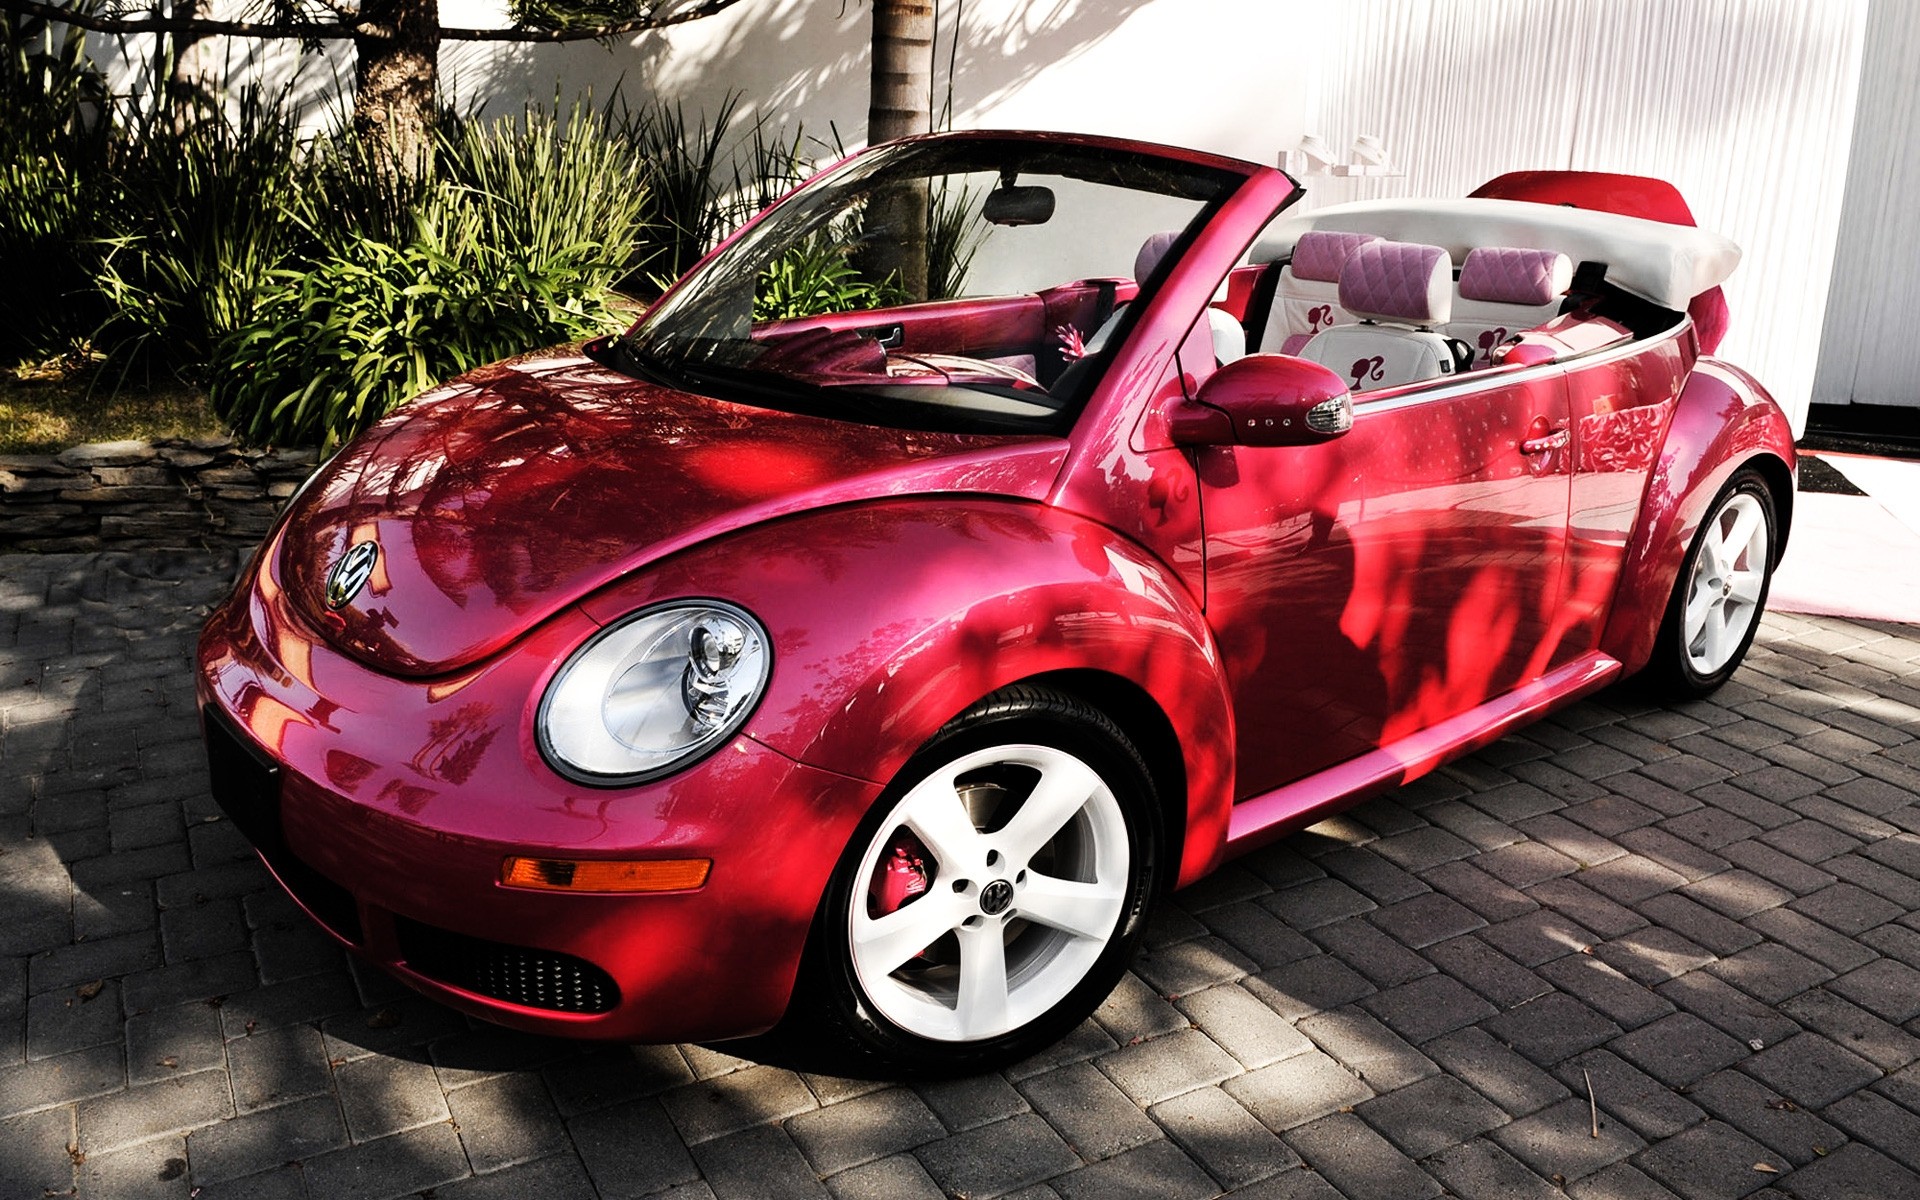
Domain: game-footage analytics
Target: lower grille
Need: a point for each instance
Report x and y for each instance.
(516, 974)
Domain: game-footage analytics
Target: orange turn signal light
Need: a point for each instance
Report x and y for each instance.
(599, 875)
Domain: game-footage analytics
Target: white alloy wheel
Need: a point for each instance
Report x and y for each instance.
(1728, 584)
(1025, 859)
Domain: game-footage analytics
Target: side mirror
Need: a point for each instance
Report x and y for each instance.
(1264, 400)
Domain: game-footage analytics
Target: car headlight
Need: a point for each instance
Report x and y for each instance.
(654, 691)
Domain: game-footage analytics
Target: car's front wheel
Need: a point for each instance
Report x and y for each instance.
(993, 897)
(1721, 592)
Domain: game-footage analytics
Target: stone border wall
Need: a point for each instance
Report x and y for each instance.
(166, 494)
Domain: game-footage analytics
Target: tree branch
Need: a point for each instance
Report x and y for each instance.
(341, 30)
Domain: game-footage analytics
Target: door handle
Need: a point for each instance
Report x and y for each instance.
(890, 337)
(1541, 445)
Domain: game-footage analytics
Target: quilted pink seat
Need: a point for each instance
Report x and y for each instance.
(1505, 291)
(1306, 298)
(1401, 291)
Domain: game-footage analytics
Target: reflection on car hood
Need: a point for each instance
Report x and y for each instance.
(522, 487)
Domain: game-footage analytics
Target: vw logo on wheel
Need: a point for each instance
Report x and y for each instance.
(350, 574)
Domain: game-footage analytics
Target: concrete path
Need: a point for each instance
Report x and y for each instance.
(1701, 924)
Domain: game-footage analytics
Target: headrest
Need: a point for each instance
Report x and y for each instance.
(1509, 275)
(1403, 282)
(1151, 252)
(1321, 253)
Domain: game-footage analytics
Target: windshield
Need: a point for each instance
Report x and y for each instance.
(964, 284)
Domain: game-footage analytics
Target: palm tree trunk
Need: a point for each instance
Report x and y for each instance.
(900, 105)
(397, 56)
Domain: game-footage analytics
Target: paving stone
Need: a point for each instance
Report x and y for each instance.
(1711, 1160)
(1193, 965)
(1558, 1140)
(277, 1066)
(1134, 1011)
(1317, 902)
(1255, 932)
(1771, 1119)
(998, 1158)
(1087, 1040)
(900, 1177)
(1419, 850)
(1552, 1028)
(1848, 1025)
(502, 1122)
(1251, 1032)
(1152, 1071)
(596, 1078)
(1524, 864)
(1652, 955)
(1853, 1172)
(1422, 920)
(174, 1041)
(1309, 986)
(1586, 907)
(757, 1095)
(1156, 1170)
(1698, 924)
(560, 1175)
(1495, 1071)
(1771, 973)
(1538, 937)
(1728, 1009)
(1879, 1122)
(386, 1094)
(1680, 1049)
(1811, 842)
(392, 1166)
(36, 1161)
(1487, 971)
(1087, 1110)
(1223, 1137)
(1359, 1161)
(1425, 1117)
(1482, 1168)
(1230, 884)
(1427, 1007)
(1376, 1055)
(1847, 908)
(757, 1164)
(1626, 1002)
(155, 1168)
(1297, 1090)
(1886, 988)
(1653, 1109)
(258, 1141)
(1810, 1070)
(1373, 875)
(632, 1150)
(1834, 951)
(1471, 825)
(963, 1104)
(1377, 955)
(1487, 897)
(70, 1019)
(61, 1080)
(1764, 879)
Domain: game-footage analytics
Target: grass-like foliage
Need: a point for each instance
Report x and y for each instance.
(515, 246)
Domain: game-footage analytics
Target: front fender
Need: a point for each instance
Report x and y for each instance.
(891, 618)
(1724, 420)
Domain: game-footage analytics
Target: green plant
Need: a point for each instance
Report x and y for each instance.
(515, 246)
(817, 276)
(954, 234)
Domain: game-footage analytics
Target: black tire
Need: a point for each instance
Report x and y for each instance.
(1679, 670)
(835, 1012)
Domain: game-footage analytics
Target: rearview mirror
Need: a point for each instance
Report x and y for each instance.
(1018, 206)
(1264, 400)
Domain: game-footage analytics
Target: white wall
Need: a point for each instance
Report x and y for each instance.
(1869, 354)
(1746, 105)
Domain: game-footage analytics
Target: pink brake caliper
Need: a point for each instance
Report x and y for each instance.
(901, 877)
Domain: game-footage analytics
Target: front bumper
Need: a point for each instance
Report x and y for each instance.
(385, 806)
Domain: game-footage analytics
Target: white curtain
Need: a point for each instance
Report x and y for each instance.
(1747, 106)
(1870, 354)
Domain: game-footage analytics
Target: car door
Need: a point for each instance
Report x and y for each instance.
(1376, 584)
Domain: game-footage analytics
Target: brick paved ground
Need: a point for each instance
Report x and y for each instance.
(1707, 915)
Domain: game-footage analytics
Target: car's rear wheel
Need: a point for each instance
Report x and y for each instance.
(992, 898)
(1721, 593)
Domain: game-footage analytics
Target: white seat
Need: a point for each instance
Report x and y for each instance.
(1505, 291)
(1228, 339)
(1306, 298)
(1400, 291)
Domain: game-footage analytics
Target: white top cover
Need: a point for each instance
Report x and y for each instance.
(1667, 264)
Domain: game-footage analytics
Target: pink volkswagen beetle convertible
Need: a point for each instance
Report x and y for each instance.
(998, 532)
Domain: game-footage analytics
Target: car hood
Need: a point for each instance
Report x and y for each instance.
(522, 487)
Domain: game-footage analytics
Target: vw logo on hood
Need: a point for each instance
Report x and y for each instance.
(350, 574)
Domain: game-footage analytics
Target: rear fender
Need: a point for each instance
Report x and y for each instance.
(1724, 420)
(890, 619)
